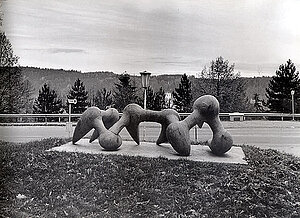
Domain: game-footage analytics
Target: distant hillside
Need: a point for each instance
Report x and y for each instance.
(257, 85)
(62, 80)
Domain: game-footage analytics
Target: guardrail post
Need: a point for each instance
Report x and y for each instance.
(144, 132)
(196, 134)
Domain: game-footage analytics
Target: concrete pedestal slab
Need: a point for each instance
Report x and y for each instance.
(147, 149)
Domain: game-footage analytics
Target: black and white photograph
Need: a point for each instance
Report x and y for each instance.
(149, 108)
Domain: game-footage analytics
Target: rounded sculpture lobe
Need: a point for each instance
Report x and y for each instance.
(110, 141)
(220, 143)
(178, 136)
(207, 106)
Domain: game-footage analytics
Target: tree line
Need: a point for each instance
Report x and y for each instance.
(219, 79)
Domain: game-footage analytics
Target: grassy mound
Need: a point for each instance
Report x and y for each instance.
(37, 183)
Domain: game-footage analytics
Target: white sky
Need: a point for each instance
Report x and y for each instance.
(160, 36)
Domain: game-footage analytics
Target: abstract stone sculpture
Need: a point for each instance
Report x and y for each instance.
(134, 114)
(205, 109)
(100, 120)
(176, 132)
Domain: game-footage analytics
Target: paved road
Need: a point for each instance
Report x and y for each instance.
(284, 136)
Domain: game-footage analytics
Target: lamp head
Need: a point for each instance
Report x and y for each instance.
(145, 78)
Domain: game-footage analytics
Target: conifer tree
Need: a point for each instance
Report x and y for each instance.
(47, 101)
(183, 95)
(78, 92)
(159, 100)
(258, 103)
(15, 91)
(280, 87)
(156, 100)
(103, 99)
(150, 98)
(125, 93)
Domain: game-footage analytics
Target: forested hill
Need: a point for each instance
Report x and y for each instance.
(62, 80)
(257, 85)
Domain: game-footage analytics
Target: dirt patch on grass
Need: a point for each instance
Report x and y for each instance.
(36, 183)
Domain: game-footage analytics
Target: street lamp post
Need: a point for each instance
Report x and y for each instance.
(145, 83)
(293, 106)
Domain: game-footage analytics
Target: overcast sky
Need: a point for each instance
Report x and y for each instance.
(160, 36)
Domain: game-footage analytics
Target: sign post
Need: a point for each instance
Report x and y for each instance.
(293, 105)
(69, 124)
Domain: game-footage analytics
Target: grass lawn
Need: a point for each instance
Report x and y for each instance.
(36, 183)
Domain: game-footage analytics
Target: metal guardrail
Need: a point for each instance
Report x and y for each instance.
(250, 115)
(245, 116)
(269, 114)
(62, 120)
(23, 118)
(37, 115)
